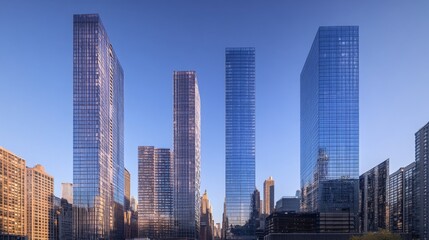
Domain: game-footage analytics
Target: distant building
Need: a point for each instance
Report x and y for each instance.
(155, 189)
(374, 195)
(40, 203)
(187, 141)
(269, 196)
(63, 219)
(330, 123)
(288, 204)
(217, 232)
(207, 226)
(67, 192)
(127, 199)
(13, 220)
(402, 202)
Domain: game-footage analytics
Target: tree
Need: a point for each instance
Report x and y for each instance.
(381, 235)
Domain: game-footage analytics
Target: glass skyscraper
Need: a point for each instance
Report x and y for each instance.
(240, 136)
(186, 114)
(330, 122)
(98, 133)
(155, 189)
(422, 180)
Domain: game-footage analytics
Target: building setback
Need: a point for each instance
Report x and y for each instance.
(239, 137)
(40, 204)
(330, 123)
(98, 133)
(13, 194)
(207, 226)
(186, 115)
(155, 189)
(374, 195)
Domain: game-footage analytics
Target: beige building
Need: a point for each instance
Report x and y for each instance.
(269, 196)
(12, 195)
(40, 192)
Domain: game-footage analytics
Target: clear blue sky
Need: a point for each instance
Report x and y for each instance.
(153, 38)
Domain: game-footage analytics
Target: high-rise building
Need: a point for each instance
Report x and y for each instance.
(13, 196)
(374, 195)
(40, 203)
(67, 192)
(206, 219)
(422, 182)
(240, 136)
(402, 193)
(330, 123)
(155, 189)
(186, 114)
(269, 196)
(98, 133)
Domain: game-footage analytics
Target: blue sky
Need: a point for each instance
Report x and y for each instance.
(153, 38)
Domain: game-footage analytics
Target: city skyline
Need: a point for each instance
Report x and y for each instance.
(390, 83)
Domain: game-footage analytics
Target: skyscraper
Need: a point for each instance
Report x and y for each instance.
(13, 196)
(40, 203)
(206, 223)
(127, 198)
(98, 133)
(186, 114)
(422, 182)
(269, 196)
(374, 196)
(330, 122)
(155, 189)
(67, 192)
(240, 135)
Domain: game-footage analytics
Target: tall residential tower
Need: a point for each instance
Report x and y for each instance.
(240, 136)
(98, 133)
(330, 123)
(155, 189)
(186, 114)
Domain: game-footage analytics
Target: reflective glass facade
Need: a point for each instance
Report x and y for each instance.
(98, 133)
(330, 121)
(186, 114)
(240, 134)
(155, 189)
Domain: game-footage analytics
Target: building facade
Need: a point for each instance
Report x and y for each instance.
(269, 196)
(40, 204)
(330, 122)
(207, 226)
(155, 189)
(422, 182)
(98, 132)
(186, 114)
(402, 200)
(240, 137)
(13, 194)
(374, 196)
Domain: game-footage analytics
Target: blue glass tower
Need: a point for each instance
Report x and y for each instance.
(330, 122)
(98, 133)
(240, 135)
